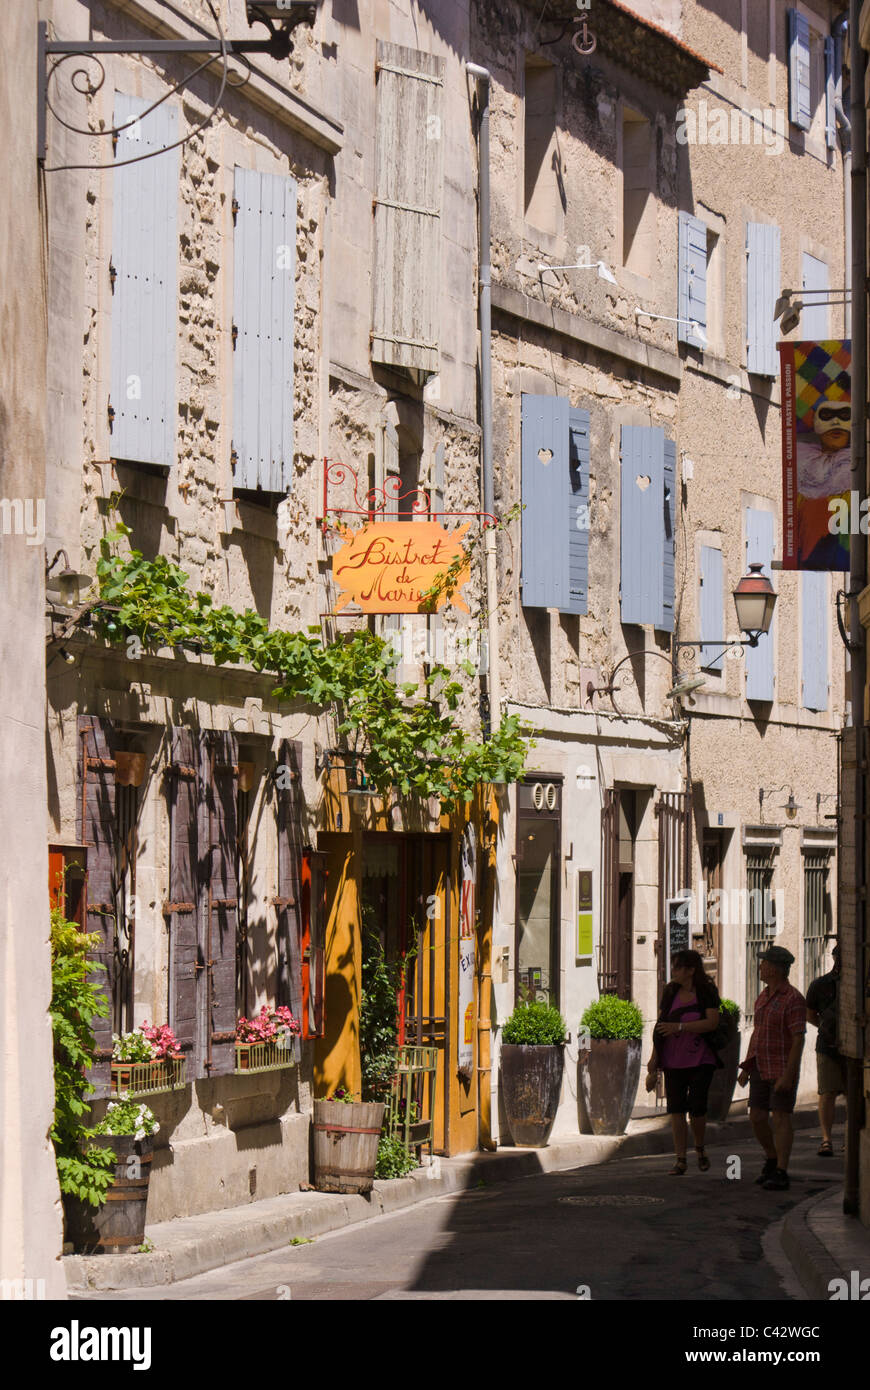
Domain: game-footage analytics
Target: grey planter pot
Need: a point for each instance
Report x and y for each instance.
(607, 1083)
(531, 1080)
(724, 1079)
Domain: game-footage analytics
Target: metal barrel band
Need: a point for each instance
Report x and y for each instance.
(347, 1129)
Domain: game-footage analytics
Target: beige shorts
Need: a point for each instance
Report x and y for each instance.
(832, 1075)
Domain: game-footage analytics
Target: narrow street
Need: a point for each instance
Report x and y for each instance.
(624, 1229)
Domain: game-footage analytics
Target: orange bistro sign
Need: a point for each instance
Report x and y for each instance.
(387, 566)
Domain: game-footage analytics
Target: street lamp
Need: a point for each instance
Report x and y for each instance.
(755, 600)
(67, 583)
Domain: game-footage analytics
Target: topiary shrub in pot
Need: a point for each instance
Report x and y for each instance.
(727, 1043)
(532, 1061)
(608, 1067)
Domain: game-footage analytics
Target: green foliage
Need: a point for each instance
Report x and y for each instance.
(83, 1171)
(126, 1117)
(535, 1024)
(145, 1248)
(131, 1047)
(381, 982)
(394, 1160)
(611, 1017)
(301, 1240)
(412, 745)
(343, 1095)
(728, 1010)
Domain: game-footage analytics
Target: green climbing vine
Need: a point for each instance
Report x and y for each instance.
(410, 740)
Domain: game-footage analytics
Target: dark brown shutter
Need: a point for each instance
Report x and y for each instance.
(608, 950)
(288, 900)
(181, 910)
(220, 758)
(95, 825)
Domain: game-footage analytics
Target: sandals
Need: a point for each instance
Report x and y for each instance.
(826, 1149)
(703, 1160)
(678, 1169)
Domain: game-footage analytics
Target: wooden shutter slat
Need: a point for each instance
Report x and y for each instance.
(97, 829)
(692, 278)
(711, 609)
(644, 539)
(668, 535)
(287, 899)
(545, 483)
(577, 558)
(185, 957)
(145, 255)
(814, 317)
(799, 98)
(218, 758)
(762, 290)
(814, 640)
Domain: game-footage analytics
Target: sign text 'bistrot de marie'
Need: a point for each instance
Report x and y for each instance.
(387, 566)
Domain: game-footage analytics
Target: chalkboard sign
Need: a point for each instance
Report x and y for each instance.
(679, 929)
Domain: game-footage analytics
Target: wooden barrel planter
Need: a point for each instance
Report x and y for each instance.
(118, 1226)
(724, 1080)
(608, 1077)
(346, 1144)
(531, 1080)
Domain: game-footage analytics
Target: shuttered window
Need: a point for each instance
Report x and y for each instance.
(648, 517)
(97, 829)
(711, 608)
(800, 111)
(264, 276)
(814, 318)
(555, 494)
(288, 901)
(831, 79)
(762, 291)
(760, 660)
(407, 282)
(692, 308)
(814, 640)
(181, 911)
(144, 259)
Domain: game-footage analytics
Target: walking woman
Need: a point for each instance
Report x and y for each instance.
(689, 1009)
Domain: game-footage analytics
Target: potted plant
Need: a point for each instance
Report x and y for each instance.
(609, 1066)
(346, 1139)
(532, 1061)
(721, 1091)
(127, 1133)
(146, 1060)
(264, 1043)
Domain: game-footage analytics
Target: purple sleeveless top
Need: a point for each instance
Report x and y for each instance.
(685, 1049)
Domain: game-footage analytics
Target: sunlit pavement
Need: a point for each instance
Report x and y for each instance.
(621, 1230)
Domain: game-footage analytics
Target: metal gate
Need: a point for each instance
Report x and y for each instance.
(760, 922)
(817, 915)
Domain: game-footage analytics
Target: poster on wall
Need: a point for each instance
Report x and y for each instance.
(816, 454)
(584, 914)
(465, 1011)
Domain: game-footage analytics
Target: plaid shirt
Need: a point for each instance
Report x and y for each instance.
(780, 1015)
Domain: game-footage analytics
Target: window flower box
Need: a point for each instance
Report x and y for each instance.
(149, 1078)
(266, 1043)
(264, 1056)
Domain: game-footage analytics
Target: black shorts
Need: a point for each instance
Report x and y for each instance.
(686, 1089)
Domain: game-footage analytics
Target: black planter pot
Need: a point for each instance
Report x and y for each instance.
(118, 1226)
(724, 1078)
(607, 1083)
(531, 1080)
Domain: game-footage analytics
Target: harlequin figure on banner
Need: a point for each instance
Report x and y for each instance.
(817, 464)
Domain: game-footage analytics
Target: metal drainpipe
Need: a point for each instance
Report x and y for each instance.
(838, 29)
(483, 80)
(858, 581)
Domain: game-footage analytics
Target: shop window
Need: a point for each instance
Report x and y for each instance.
(538, 881)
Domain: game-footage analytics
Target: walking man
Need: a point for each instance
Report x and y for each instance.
(772, 1064)
(822, 1013)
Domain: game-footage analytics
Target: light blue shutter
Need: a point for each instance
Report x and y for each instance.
(578, 512)
(545, 473)
(759, 660)
(814, 318)
(144, 300)
(814, 640)
(711, 600)
(692, 280)
(264, 273)
(669, 549)
(831, 76)
(646, 517)
(799, 108)
(762, 291)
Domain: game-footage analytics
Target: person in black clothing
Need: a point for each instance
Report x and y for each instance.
(822, 1012)
(689, 1009)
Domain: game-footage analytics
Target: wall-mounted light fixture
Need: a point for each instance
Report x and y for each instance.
(788, 309)
(791, 807)
(695, 328)
(67, 584)
(604, 272)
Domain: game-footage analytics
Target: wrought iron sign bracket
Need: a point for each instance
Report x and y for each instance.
(373, 505)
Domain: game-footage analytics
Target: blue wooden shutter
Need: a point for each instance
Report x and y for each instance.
(263, 310)
(669, 548)
(759, 660)
(144, 308)
(831, 76)
(545, 474)
(711, 601)
(578, 512)
(642, 525)
(800, 111)
(814, 318)
(762, 290)
(692, 279)
(814, 640)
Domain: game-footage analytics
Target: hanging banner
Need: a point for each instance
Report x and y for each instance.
(465, 1010)
(387, 566)
(816, 454)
